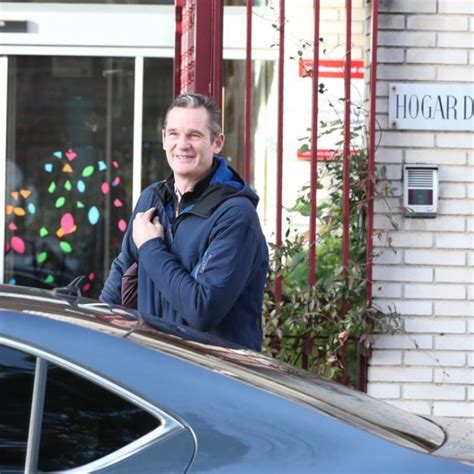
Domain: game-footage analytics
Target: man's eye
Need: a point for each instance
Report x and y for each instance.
(172, 134)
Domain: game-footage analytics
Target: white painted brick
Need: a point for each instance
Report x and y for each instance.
(454, 275)
(455, 140)
(441, 223)
(454, 308)
(437, 23)
(470, 358)
(420, 408)
(449, 375)
(470, 295)
(400, 374)
(433, 392)
(387, 205)
(407, 139)
(470, 224)
(470, 393)
(440, 157)
(388, 256)
(435, 325)
(383, 390)
(455, 73)
(389, 155)
(382, 88)
(382, 108)
(471, 259)
(453, 409)
(460, 343)
(435, 257)
(413, 308)
(470, 191)
(417, 39)
(455, 173)
(458, 6)
(408, 6)
(435, 358)
(470, 325)
(405, 274)
(402, 341)
(411, 239)
(390, 55)
(384, 222)
(386, 290)
(456, 206)
(436, 56)
(391, 22)
(393, 172)
(383, 357)
(436, 292)
(406, 72)
(454, 191)
(461, 40)
(458, 241)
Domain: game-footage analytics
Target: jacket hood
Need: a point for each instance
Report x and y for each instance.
(224, 184)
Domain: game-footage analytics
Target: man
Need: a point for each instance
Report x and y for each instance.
(202, 257)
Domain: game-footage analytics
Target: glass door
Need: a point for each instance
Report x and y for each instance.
(68, 168)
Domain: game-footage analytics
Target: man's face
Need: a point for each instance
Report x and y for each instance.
(187, 143)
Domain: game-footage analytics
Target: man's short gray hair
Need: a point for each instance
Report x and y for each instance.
(192, 100)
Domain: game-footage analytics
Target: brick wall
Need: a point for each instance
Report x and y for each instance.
(429, 274)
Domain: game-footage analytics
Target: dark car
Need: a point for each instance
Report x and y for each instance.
(90, 387)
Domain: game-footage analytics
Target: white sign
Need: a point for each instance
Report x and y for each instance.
(431, 107)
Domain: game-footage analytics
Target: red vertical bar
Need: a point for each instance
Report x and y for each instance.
(314, 149)
(371, 172)
(203, 48)
(347, 133)
(217, 47)
(248, 93)
(279, 196)
(177, 47)
(346, 168)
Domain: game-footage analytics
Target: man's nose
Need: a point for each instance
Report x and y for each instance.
(183, 141)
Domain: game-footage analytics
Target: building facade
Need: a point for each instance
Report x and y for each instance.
(425, 266)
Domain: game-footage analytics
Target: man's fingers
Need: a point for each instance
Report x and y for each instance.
(149, 213)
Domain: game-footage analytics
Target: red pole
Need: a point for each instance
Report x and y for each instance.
(371, 174)
(347, 137)
(314, 150)
(177, 47)
(248, 93)
(217, 22)
(279, 196)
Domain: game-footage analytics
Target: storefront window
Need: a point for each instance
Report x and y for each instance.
(69, 168)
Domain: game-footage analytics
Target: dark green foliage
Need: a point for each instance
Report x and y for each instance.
(325, 327)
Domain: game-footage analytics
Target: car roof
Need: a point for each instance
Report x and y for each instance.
(244, 365)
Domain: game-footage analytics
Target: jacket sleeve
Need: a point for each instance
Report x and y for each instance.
(111, 292)
(205, 295)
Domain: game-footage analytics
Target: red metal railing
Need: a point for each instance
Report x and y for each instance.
(199, 47)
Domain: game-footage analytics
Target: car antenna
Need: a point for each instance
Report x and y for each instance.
(72, 291)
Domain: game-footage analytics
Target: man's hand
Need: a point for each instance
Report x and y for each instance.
(146, 226)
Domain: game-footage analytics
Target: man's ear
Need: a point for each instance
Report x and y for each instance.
(218, 143)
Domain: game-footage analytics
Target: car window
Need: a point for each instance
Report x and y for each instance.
(17, 371)
(82, 421)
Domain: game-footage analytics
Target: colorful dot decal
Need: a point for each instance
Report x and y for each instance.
(18, 244)
(60, 202)
(66, 247)
(101, 165)
(122, 225)
(42, 256)
(93, 215)
(81, 186)
(48, 167)
(88, 171)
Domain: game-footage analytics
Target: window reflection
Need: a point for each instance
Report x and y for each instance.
(69, 165)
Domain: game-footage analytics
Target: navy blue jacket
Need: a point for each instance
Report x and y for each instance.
(209, 271)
